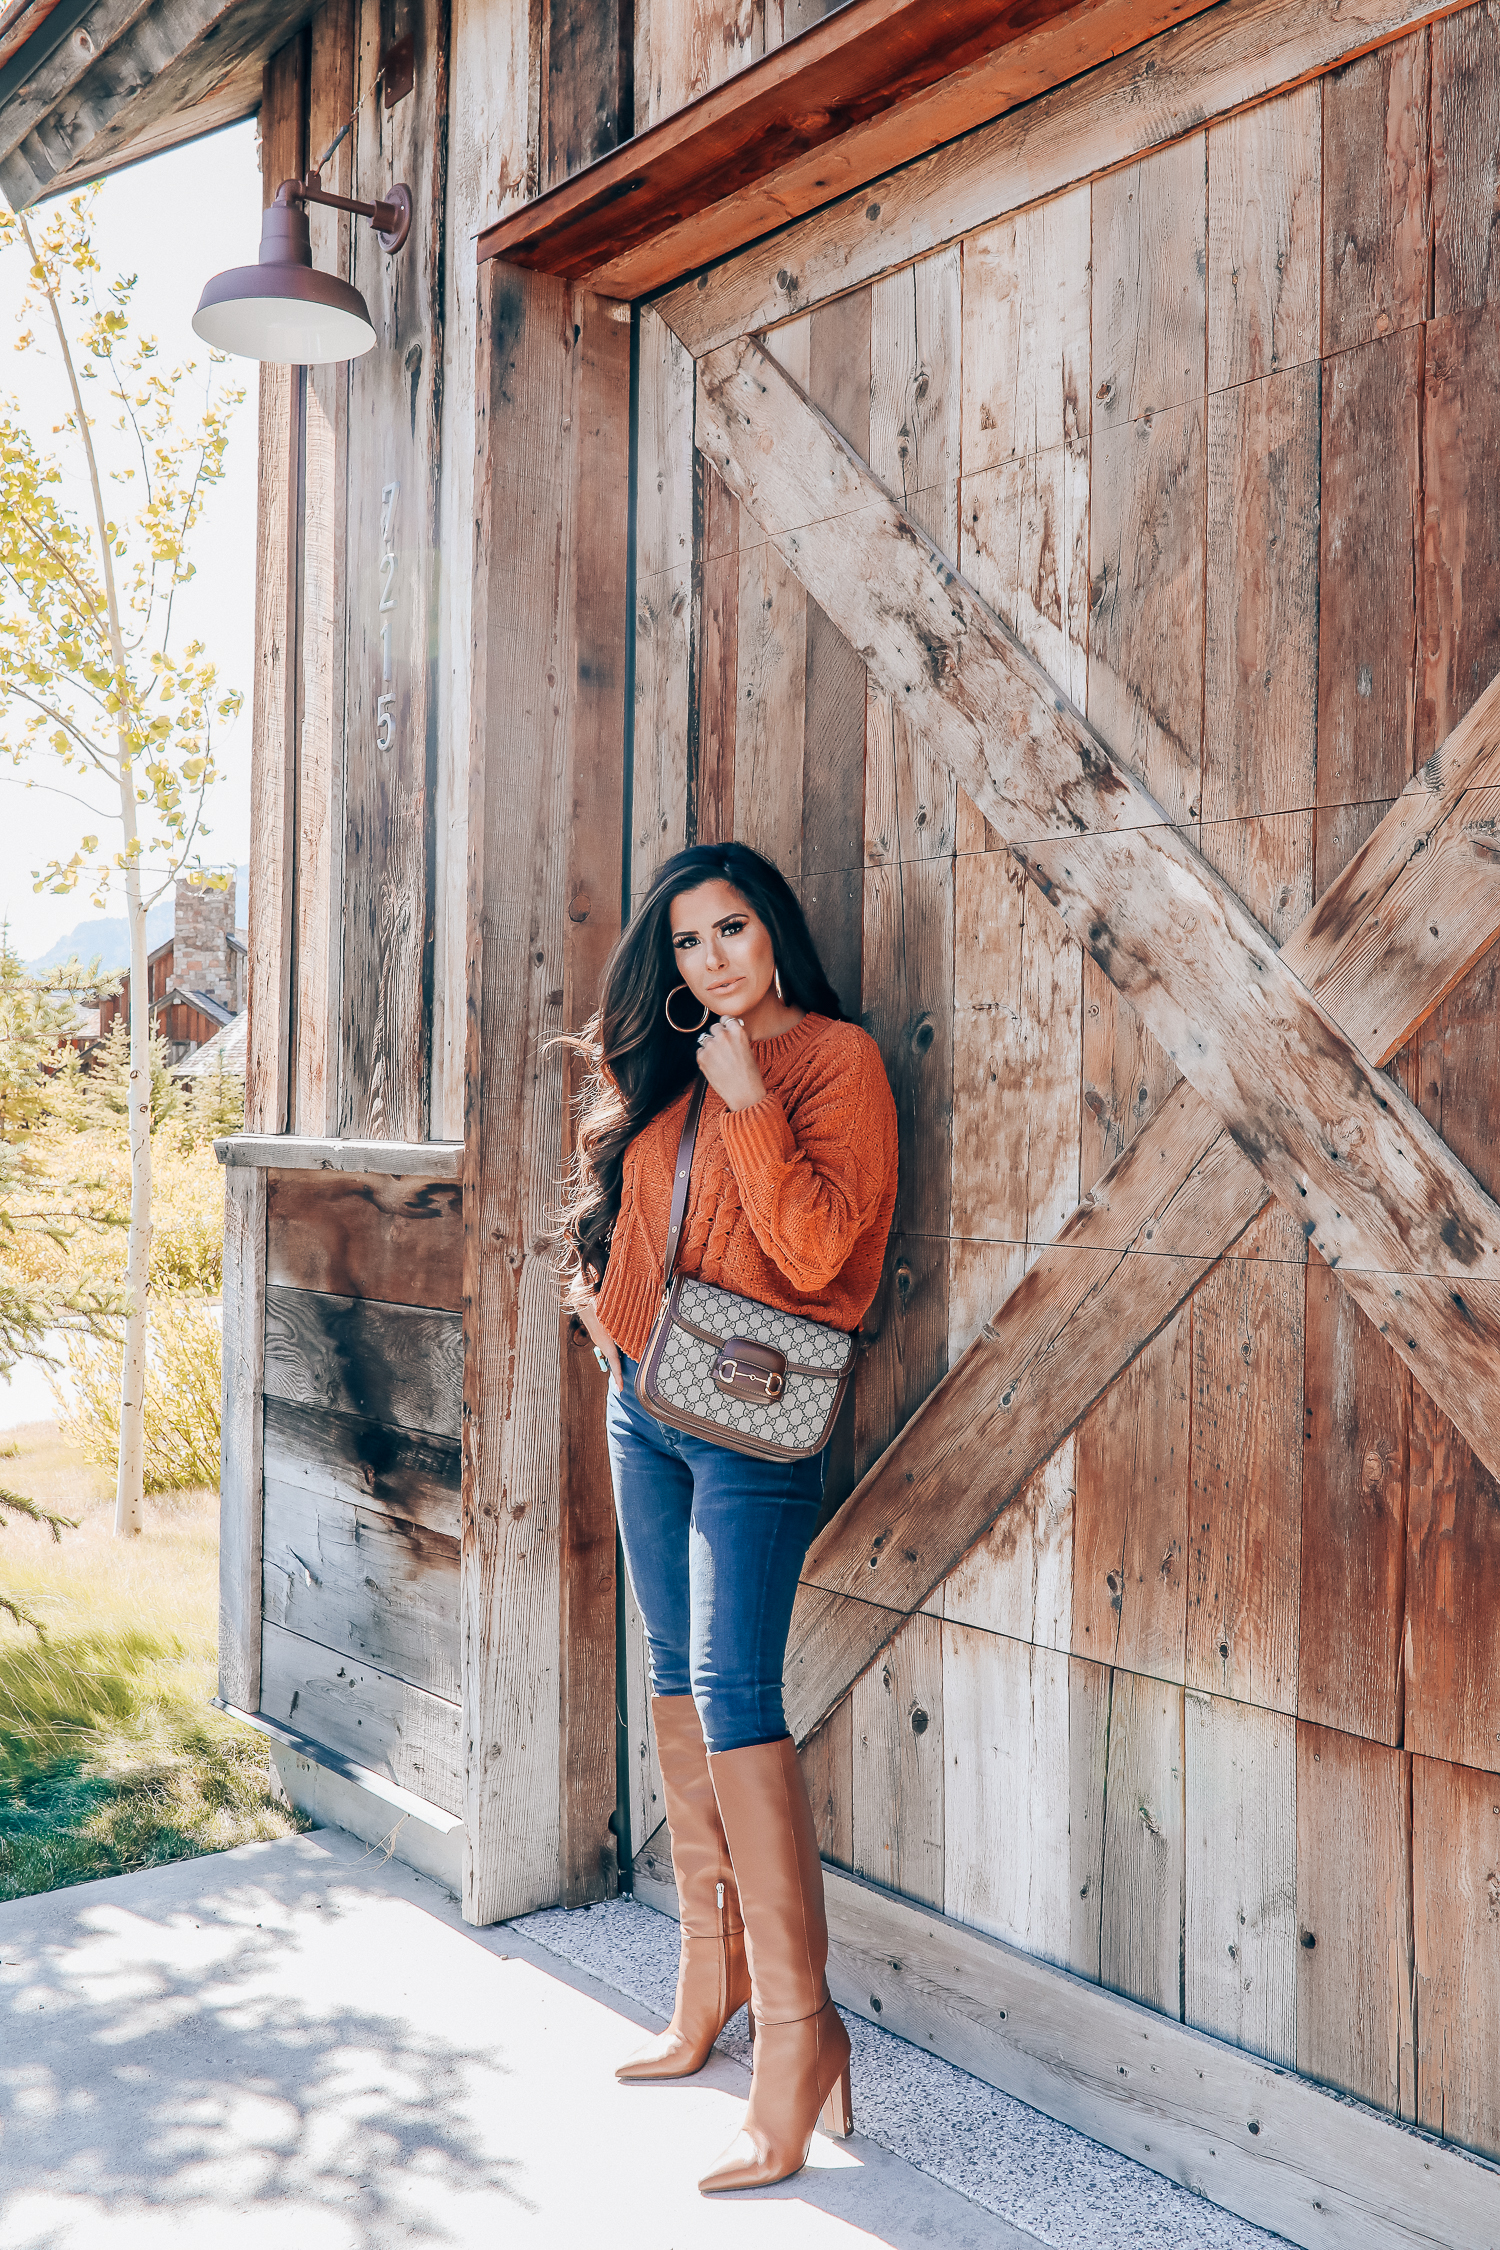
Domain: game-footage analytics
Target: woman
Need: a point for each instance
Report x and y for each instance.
(793, 1184)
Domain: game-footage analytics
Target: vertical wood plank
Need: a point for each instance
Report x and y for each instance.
(596, 727)
(908, 979)
(1369, 568)
(712, 776)
(686, 47)
(1240, 1925)
(1375, 194)
(519, 812)
(827, 1762)
(771, 708)
(1150, 252)
(1465, 160)
(588, 63)
(1456, 1918)
(241, 1480)
(1018, 1579)
(1460, 584)
(273, 722)
(1141, 1892)
(492, 165)
(1126, 1076)
(1089, 1690)
(1244, 1561)
(1026, 340)
(1261, 643)
(323, 595)
(1006, 1861)
(392, 573)
(1265, 186)
(1452, 1596)
(1355, 1998)
(663, 598)
(648, 1807)
(897, 1712)
(1354, 1473)
(1131, 1539)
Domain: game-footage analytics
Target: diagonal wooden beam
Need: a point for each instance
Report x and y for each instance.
(1411, 913)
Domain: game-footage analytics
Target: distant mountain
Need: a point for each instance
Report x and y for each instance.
(108, 935)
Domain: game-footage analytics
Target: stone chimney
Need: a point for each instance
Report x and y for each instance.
(201, 956)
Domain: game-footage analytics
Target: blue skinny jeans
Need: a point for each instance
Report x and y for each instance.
(713, 1544)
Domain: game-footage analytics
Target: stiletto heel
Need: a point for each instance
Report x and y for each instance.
(838, 2110)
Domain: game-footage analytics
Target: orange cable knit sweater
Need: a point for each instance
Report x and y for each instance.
(790, 1201)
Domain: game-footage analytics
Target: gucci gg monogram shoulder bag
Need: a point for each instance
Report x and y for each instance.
(736, 1372)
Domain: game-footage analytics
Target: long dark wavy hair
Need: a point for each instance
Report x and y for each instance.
(638, 1064)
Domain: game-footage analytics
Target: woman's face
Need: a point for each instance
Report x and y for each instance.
(722, 949)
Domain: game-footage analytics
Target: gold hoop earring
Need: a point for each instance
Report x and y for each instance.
(685, 1028)
(776, 981)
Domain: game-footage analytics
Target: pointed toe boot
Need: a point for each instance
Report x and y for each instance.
(801, 2065)
(713, 1977)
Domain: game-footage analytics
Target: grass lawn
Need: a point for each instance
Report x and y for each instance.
(110, 1758)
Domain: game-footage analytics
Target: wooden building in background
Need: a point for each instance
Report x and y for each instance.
(1032, 472)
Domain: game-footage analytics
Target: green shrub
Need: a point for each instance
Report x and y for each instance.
(184, 1375)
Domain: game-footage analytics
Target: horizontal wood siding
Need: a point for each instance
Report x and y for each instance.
(404, 1732)
(362, 1235)
(398, 1364)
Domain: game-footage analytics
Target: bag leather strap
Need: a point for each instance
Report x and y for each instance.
(682, 1179)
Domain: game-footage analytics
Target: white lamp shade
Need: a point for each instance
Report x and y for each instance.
(285, 313)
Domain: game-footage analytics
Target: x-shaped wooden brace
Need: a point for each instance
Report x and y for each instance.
(1281, 1050)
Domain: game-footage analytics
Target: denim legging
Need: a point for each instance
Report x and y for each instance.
(713, 1543)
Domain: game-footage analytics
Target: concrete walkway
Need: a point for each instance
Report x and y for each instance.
(300, 2046)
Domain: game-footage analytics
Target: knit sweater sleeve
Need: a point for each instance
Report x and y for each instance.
(810, 1189)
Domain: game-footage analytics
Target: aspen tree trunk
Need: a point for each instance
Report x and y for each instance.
(130, 1483)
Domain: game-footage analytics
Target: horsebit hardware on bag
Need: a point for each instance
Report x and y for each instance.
(742, 1374)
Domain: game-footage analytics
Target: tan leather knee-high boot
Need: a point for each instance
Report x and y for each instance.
(801, 2048)
(713, 1979)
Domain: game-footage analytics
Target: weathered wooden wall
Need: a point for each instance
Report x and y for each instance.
(1209, 1715)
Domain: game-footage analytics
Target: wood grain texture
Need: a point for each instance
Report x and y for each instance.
(1228, 59)
(827, 1762)
(1455, 1821)
(1459, 615)
(240, 1439)
(715, 705)
(1026, 333)
(395, 421)
(597, 719)
(365, 1464)
(363, 1235)
(587, 98)
(1370, 541)
(1265, 238)
(1006, 1866)
(1355, 1998)
(403, 1732)
(1261, 643)
(663, 598)
(685, 47)
(1452, 1651)
(1355, 1459)
(1376, 230)
(399, 1364)
(1140, 1898)
(292, 1152)
(322, 595)
(1018, 1579)
(1465, 163)
(1244, 1557)
(367, 1585)
(1240, 1924)
(1114, 885)
(1150, 255)
(1131, 1537)
(273, 703)
(647, 1804)
(898, 1741)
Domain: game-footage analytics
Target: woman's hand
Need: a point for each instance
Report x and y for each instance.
(727, 1060)
(581, 1302)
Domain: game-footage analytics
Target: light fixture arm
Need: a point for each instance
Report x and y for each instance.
(390, 218)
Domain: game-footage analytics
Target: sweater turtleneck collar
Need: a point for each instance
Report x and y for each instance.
(786, 1042)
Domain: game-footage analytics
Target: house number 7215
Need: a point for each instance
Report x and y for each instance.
(385, 725)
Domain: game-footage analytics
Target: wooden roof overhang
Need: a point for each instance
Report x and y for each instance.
(872, 86)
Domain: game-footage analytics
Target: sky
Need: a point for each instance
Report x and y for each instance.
(173, 221)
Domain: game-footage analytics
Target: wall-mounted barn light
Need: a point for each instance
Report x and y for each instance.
(283, 309)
